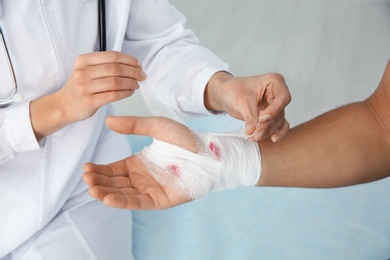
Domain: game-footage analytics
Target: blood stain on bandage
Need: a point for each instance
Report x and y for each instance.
(175, 170)
(215, 150)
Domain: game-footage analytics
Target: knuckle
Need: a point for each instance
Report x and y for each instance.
(114, 55)
(78, 74)
(113, 69)
(276, 76)
(80, 59)
(287, 125)
(288, 99)
(113, 82)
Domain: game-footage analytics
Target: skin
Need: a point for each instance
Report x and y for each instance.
(100, 78)
(255, 99)
(346, 146)
(96, 79)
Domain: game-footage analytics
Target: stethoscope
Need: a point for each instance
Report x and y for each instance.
(9, 99)
(102, 25)
(14, 96)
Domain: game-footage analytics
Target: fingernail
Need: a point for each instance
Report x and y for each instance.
(249, 128)
(264, 118)
(260, 135)
(143, 75)
(275, 138)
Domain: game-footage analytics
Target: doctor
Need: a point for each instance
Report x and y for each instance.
(49, 55)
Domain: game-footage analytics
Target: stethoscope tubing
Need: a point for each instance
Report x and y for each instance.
(15, 87)
(102, 25)
(102, 47)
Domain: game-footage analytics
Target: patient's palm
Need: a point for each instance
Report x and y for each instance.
(127, 183)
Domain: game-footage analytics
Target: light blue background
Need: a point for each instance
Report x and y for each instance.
(268, 223)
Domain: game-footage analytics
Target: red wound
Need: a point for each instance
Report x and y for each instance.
(175, 170)
(215, 150)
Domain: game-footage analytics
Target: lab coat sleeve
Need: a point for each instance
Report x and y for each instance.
(178, 68)
(16, 133)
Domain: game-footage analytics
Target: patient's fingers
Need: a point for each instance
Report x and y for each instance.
(118, 168)
(160, 128)
(93, 179)
(129, 198)
(150, 126)
(99, 192)
(134, 202)
(137, 125)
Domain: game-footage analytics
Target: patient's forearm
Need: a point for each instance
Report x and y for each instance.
(346, 146)
(342, 147)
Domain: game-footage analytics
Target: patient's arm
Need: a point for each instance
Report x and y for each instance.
(346, 146)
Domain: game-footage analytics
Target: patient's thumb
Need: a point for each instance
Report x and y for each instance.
(122, 124)
(135, 125)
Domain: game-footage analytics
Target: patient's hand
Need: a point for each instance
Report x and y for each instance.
(179, 166)
(126, 183)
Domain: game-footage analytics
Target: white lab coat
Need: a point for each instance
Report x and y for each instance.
(37, 180)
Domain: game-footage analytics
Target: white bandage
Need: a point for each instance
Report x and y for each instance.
(223, 162)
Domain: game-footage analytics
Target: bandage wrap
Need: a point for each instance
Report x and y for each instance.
(223, 162)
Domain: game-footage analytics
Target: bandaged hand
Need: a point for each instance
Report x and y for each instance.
(179, 166)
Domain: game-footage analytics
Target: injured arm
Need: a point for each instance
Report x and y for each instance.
(346, 146)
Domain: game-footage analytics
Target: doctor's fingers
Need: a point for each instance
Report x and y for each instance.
(100, 99)
(276, 128)
(96, 58)
(112, 70)
(99, 92)
(275, 99)
(109, 84)
(249, 112)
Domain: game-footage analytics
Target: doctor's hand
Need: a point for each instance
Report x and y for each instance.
(258, 100)
(96, 79)
(126, 183)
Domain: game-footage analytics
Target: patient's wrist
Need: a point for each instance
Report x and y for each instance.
(223, 162)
